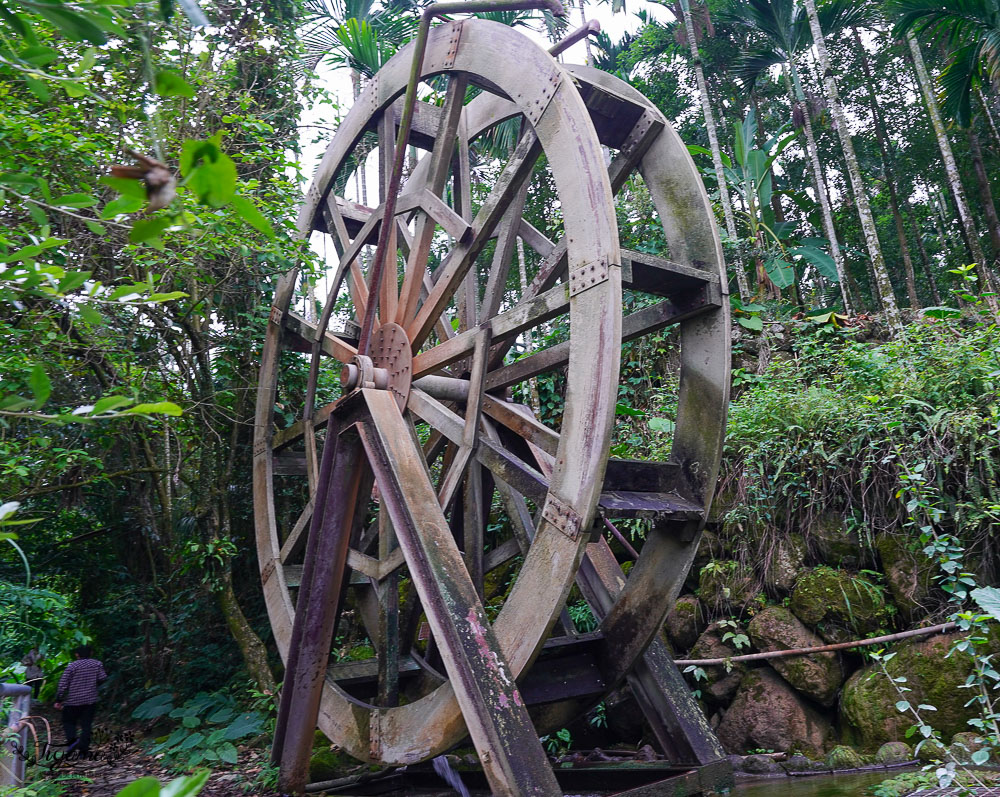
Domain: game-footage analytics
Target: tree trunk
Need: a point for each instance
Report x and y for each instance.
(586, 39)
(797, 96)
(713, 141)
(985, 193)
(860, 196)
(950, 167)
(890, 176)
(924, 257)
(253, 650)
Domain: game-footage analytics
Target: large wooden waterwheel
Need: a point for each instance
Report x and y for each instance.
(407, 485)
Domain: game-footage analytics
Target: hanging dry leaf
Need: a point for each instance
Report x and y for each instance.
(161, 185)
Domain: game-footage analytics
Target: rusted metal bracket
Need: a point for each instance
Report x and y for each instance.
(563, 516)
(588, 275)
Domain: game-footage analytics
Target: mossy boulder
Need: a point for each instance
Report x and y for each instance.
(868, 699)
(818, 676)
(930, 751)
(726, 585)
(684, 622)
(843, 757)
(892, 753)
(964, 744)
(908, 573)
(836, 602)
(761, 765)
(785, 562)
(719, 684)
(767, 713)
(831, 543)
(800, 764)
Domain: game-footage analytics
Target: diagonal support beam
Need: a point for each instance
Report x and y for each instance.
(341, 481)
(494, 712)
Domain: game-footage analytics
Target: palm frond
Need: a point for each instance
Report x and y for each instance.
(838, 15)
(958, 80)
(749, 67)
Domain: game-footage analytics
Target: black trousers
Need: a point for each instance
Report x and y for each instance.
(82, 716)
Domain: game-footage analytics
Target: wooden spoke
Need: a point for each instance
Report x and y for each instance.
(444, 145)
(355, 279)
(468, 297)
(388, 614)
(503, 327)
(533, 238)
(386, 149)
(520, 420)
(459, 260)
(506, 242)
(303, 331)
(503, 464)
(470, 430)
(295, 541)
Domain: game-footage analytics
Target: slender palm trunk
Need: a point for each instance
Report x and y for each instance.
(994, 133)
(713, 142)
(950, 167)
(890, 176)
(586, 39)
(924, 257)
(985, 192)
(860, 195)
(797, 96)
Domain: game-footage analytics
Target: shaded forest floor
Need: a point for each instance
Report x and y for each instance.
(117, 758)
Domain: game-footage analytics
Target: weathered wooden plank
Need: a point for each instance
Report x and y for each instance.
(613, 114)
(304, 334)
(500, 555)
(642, 322)
(655, 275)
(631, 504)
(642, 476)
(357, 673)
(290, 464)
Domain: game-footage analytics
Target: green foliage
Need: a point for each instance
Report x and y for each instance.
(209, 725)
(558, 743)
(843, 426)
(185, 786)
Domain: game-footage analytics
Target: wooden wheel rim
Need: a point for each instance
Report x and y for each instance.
(542, 91)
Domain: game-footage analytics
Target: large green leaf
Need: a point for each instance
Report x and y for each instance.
(988, 599)
(781, 272)
(248, 210)
(244, 725)
(144, 787)
(155, 707)
(40, 384)
(825, 264)
(171, 84)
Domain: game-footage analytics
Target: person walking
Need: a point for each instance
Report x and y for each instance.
(33, 675)
(76, 697)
